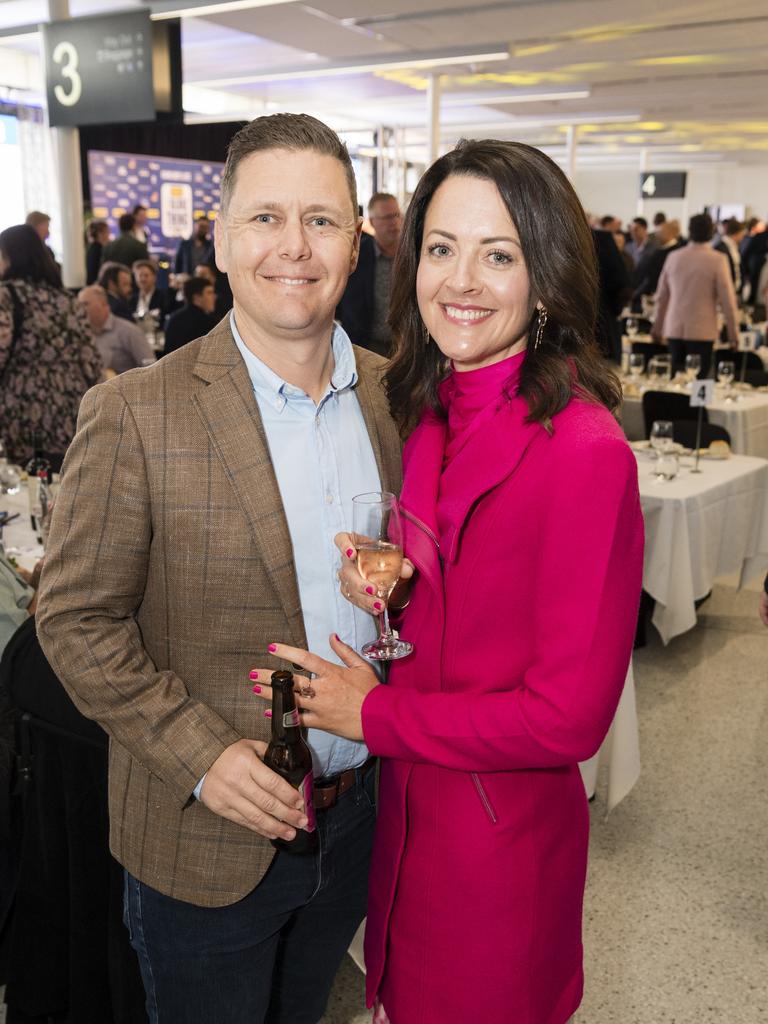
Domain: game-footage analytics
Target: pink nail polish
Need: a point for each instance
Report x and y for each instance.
(272, 648)
(267, 714)
(378, 605)
(349, 552)
(253, 674)
(256, 689)
(370, 590)
(338, 637)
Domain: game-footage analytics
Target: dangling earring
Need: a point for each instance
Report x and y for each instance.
(540, 325)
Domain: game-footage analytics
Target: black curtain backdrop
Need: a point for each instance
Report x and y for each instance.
(183, 141)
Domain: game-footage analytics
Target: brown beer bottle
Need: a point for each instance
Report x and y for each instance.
(289, 756)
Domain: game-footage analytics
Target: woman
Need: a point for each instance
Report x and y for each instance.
(47, 357)
(522, 520)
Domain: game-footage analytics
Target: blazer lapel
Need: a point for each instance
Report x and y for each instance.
(490, 455)
(424, 460)
(230, 414)
(382, 431)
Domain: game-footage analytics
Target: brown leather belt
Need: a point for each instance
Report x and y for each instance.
(326, 792)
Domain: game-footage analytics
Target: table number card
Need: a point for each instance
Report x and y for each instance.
(702, 392)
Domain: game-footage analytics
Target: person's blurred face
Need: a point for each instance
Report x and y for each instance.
(96, 308)
(739, 237)
(140, 217)
(145, 279)
(202, 228)
(288, 240)
(206, 300)
(43, 229)
(472, 283)
(638, 233)
(123, 285)
(203, 270)
(387, 222)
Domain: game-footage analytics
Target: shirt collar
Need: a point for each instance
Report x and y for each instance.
(344, 369)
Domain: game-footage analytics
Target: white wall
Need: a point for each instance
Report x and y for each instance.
(614, 190)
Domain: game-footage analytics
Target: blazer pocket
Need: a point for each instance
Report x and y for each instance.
(485, 800)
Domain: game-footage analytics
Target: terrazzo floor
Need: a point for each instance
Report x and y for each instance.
(676, 910)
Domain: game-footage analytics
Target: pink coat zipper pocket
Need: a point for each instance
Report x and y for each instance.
(484, 798)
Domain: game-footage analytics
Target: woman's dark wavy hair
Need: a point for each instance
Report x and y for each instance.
(560, 257)
(28, 259)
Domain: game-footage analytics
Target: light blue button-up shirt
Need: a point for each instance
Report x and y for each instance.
(322, 456)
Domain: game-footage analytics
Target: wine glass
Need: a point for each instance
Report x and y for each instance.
(660, 370)
(631, 326)
(662, 437)
(377, 534)
(726, 371)
(666, 466)
(692, 367)
(636, 365)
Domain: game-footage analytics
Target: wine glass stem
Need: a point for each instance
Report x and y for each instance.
(385, 629)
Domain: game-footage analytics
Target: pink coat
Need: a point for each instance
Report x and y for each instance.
(523, 638)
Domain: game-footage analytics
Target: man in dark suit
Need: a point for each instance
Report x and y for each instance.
(115, 279)
(649, 269)
(196, 249)
(195, 318)
(729, 244)
(148, 299)
(614, 284)
(364, 307)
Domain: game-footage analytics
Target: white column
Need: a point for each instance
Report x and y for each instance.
(433, 117)
(571, 150)
(641, 170)
(66, 150)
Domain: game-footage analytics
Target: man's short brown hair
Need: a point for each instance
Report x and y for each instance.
(138, 264)
(379, 197)
(285, 131)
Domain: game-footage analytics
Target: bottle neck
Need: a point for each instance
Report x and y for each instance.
(286, 723)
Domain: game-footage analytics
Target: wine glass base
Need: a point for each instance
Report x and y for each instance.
(378, 650)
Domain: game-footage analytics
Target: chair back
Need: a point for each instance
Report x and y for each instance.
(754, 362)
(649, 349)
(666, 405)
(684, 432)
(757, 378)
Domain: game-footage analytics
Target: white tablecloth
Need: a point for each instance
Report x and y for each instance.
(18, 537)
(699, 528)
(745, 419)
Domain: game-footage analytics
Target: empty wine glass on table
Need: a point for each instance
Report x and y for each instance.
(660, 371)
(636, 365)
(692, 367)
(666, 466)
(662, 437)
(377, 534)
(632, 326)
(726, 371)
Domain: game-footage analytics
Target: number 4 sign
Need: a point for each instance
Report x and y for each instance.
(702, 392)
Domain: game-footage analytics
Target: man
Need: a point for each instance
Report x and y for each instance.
(220, 286)
(126, 248)
(195, 318)
(610, 223)
(122, 346)
(148, 300)
(193, 527)
(140, 227)
(41, 222)
(364, 308)
(614, 290)
(641, 242)
(196, 249)
(115, 279)
(729, 245)
(694, 282)
(649, 269)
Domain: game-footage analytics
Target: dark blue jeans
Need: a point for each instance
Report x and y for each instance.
(272, 956)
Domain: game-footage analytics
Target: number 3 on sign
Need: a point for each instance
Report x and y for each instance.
(66, 55)
(702, 392)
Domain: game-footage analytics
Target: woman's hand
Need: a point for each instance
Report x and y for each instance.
(363, 594)
(334, 698)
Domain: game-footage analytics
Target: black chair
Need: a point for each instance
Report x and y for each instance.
(666, 405)
(754, 362)
(684, 432)
(757, 378)
(649, 349)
